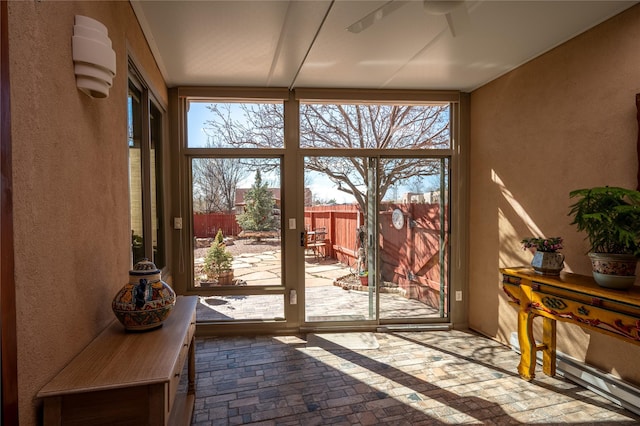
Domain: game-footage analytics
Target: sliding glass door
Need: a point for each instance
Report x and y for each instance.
(339, 224)
(379, 196)
(383, 253)
(414, 241)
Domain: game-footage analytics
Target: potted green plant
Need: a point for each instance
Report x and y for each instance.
(218, 261)
(364, 278)
(611, 218)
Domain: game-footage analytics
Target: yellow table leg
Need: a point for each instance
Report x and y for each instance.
(527, 365)
(549, 342)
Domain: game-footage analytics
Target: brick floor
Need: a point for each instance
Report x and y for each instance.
(412, 378)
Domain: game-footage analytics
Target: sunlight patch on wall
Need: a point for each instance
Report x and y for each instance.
(516, 206)
(509, 238)
(511, 252)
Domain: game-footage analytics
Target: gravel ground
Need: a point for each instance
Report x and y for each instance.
(241, 246)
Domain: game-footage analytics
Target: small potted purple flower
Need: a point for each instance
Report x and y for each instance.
(546, 258)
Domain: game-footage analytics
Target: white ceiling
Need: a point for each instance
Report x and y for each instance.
(303, 43)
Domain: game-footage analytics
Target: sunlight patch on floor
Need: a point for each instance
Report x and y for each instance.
(351, 341)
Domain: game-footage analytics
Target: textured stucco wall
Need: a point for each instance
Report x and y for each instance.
(563, 121)
(71, 203)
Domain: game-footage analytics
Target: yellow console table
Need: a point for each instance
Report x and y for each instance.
(572, 298)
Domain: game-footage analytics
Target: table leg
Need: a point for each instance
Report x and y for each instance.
(527, 365)
(53, 411)
(549, 342)
(192, 367)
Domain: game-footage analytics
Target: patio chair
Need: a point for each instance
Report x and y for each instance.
(316, 241)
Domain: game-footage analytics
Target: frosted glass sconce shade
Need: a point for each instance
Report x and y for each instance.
(94, 59)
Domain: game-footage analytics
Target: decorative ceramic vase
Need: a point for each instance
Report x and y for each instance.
(548, 263)
(615, 271)
(145, 301)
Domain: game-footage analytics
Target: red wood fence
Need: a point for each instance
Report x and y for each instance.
(206, 225)
(408, 253)
(410, 256)
(341, 222)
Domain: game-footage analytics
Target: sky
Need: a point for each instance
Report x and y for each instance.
(198, 114)
(320, 185)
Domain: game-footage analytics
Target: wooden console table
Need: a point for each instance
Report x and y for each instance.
(129, 378)
(572, 298)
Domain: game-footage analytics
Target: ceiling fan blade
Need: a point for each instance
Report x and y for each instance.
(458, 20)
(375, 16)
(441, 7)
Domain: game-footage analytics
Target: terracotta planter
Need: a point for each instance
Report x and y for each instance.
(224, 278)
(364, 280)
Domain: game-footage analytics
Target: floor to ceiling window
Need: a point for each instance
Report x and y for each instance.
(235, 209)
(307, 210)
(144, 137)
(384, 217)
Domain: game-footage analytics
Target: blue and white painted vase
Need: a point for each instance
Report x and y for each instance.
(548, 263)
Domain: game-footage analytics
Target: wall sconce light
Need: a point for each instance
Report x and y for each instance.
(94, 59)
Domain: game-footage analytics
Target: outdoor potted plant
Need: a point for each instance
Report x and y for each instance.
(217, 262)
(611, 218)
(364, 278)
(546, 258)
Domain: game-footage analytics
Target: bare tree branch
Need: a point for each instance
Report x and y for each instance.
(214, 183)
(345, 126)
